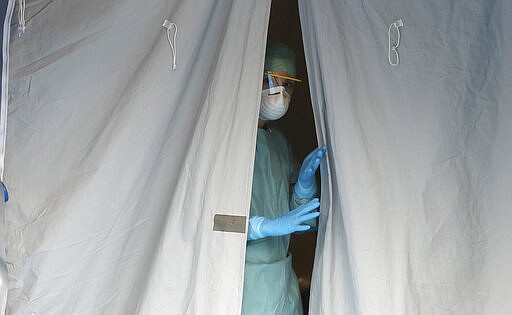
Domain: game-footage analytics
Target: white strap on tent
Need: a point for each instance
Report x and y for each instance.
(392, 47)
(4, 97)
(168, 25)
(21, 17)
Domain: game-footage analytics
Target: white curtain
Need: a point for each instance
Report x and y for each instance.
(116, 164)
(417, 197)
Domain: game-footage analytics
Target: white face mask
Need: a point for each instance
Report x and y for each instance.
(274, 103)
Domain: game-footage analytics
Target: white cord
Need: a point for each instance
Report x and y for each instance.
(21, 17)
(397, 23)
(168, 25)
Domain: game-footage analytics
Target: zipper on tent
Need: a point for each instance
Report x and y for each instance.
(4, 96)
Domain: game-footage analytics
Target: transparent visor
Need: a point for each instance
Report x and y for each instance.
(274, 80)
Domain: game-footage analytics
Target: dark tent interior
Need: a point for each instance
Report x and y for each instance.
(298, 126)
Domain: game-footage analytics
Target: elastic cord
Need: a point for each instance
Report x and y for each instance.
(393, 47)
(172, 42)
(21, 17)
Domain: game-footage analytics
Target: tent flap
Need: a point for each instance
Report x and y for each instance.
(416, 218)
(117, 164)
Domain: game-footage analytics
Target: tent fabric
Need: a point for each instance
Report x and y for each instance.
(117, 165)
(416, 197)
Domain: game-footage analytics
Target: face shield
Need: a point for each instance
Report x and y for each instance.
(272, 80)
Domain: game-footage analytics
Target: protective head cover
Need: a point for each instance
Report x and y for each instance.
(275, 100)
(278, 57)
(274, 103)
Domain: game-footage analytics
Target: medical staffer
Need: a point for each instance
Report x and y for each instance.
(282, 201)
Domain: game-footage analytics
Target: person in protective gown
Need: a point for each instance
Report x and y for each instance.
(283, 202)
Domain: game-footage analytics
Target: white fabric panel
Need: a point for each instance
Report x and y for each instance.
(116, 164)
(416, 202)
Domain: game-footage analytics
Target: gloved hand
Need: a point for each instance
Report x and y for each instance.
(293, 221)
(305, 187)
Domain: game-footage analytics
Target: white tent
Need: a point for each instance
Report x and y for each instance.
(116, 164)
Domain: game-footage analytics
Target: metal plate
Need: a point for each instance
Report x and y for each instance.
(229, 223)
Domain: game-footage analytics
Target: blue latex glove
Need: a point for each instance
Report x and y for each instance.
(305, 187)
(293, 221)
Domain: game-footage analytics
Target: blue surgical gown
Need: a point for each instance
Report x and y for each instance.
(270, 284)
